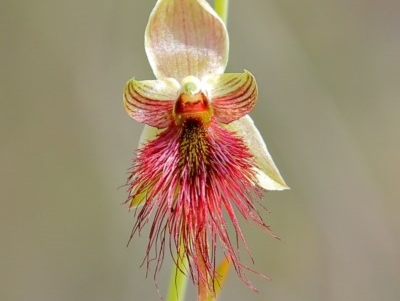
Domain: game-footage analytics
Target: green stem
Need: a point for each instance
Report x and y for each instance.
(178, 280)
(221, 7)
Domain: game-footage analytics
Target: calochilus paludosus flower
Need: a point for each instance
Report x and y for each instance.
(201, 161)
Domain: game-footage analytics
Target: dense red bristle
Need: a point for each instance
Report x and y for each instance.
(192, 175)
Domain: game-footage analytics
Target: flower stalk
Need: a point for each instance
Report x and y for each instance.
(179, 279)
(221, 7)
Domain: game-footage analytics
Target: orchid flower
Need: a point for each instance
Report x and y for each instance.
(200, 156)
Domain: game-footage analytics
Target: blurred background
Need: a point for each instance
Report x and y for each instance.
(329, 79)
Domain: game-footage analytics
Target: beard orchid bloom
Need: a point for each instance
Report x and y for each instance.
(200, 158)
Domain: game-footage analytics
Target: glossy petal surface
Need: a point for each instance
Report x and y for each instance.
(186, 37)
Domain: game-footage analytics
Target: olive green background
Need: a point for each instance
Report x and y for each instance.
(329, 80)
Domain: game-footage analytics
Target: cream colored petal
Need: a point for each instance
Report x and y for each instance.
(186, 37)
(232, 95)
(151, 101)
(268, 176)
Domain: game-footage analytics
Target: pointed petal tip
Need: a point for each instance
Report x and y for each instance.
(273, 181)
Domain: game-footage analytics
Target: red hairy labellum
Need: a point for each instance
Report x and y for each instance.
(189, 175)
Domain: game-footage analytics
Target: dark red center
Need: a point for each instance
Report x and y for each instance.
(192, 107)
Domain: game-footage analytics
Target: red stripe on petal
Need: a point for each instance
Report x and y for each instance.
(233, 95)
(150, 102)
